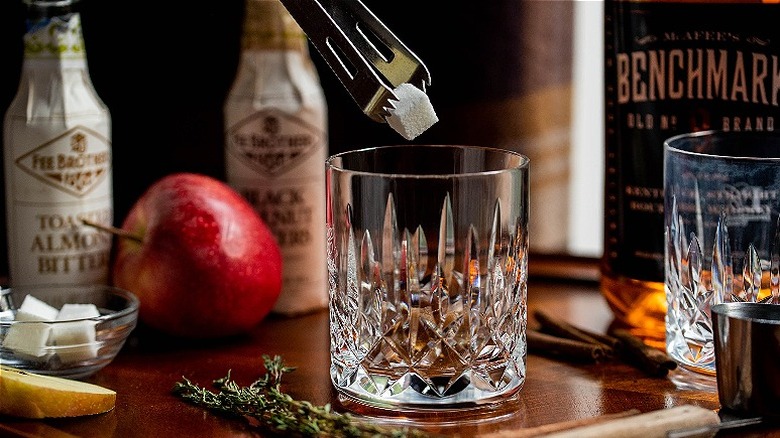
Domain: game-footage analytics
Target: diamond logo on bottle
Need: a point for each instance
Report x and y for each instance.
(74, 162)
(272, 142)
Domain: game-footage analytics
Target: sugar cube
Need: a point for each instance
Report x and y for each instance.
(28, 338)
(413, 113)
(75, 341)
(33, 309)
(77, 311)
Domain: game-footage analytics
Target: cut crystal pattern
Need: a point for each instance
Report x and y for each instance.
(694, 285)
(409, 316)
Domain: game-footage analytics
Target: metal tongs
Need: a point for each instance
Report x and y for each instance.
(369, 60)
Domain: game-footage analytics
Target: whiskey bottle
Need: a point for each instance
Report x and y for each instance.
(672, 67)
(57, 157)
(276, 145)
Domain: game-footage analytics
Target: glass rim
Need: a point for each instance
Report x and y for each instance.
(133, 302)
(522, 164)
(758, 313)
(672, 144)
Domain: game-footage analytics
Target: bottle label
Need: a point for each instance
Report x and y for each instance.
(276, 160)
(272, 142)
(56, 37)
(673, 68)
(52, 186)
(74, 162)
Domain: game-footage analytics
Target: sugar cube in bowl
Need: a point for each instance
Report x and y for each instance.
(67, 331)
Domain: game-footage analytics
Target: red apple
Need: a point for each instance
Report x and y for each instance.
(206, 266)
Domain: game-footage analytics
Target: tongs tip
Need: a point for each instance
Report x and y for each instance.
(385, 78)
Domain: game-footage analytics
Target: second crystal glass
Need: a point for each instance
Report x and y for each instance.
(721, 208)
(427, 264)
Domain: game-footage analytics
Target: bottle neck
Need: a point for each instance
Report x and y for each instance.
(268, 26)
(38, 10)
(53, 32)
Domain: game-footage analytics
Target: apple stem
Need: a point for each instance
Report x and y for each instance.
(114, 230)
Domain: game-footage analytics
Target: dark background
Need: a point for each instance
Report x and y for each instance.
(163, 68)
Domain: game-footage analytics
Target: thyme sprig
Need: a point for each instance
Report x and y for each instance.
(278, 412)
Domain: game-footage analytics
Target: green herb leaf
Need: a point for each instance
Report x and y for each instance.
(278, 412)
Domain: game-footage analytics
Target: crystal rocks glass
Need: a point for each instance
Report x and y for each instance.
(427, 264)
(721, 211)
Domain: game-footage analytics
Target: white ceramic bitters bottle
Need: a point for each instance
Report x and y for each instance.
(57, 152)
(276, 146)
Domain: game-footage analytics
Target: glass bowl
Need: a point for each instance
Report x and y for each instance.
(72, 347)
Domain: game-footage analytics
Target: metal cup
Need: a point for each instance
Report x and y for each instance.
(747, 350)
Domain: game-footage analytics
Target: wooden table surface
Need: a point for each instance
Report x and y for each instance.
(148, 366)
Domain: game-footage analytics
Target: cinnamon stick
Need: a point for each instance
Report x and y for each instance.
(585, 345)
(649, 359)
(653, 424)
(632, 423)
(568, 349)
(561, 426)
(558, 327)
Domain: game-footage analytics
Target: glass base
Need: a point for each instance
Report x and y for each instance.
(702, 368)
(410, 400)
(509, 405)
(685, 378)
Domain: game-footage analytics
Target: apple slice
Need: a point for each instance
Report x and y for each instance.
(29, 395)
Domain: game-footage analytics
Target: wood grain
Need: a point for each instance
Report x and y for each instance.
(146, 369)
